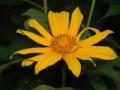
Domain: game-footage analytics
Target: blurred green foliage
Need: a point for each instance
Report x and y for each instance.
(15, 13)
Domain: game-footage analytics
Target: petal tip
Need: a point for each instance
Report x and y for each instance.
(36, 72)
(11, 56)
(50, 12)
(77, 75)
(26, 63)
(94, 64)
(31, 22)
(78, 11)
(115, 56)
(22, 65)
(110, 31)
(77, 8)
(18, 31)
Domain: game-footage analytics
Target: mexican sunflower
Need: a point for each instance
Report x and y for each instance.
(64, 43)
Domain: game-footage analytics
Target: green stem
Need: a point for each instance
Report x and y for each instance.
(45, 6)
(91, 12)
(33, 3)
(63, 75)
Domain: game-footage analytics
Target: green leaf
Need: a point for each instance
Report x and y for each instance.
(37, 14)
(117, 85)
(46, 87)
(85, 35)
(109, 71)
(16, 44)
(4, 66)
(40, 16)
(105, 70)
(112, 42)
(97, 82)
(66, 88)
(113, 10)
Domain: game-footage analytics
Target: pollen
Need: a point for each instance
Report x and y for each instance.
(64, 44)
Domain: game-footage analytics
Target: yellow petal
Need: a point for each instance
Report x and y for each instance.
(95, 38)
(34, 37)
(76, 21)
(73, 64)
(31, 50)
(58, 22)
(86, 29)
(26, 63)
(46, 61)
(53, 22)
(64, 21)
(41, 57)
(34, 24)
(83, 56)
(101, 52)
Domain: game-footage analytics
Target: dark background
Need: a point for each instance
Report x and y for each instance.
(16, 78)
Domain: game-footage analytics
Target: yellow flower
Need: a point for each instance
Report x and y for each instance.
(64, 43)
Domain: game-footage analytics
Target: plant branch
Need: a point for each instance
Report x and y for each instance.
(91, 13)
(45, 6)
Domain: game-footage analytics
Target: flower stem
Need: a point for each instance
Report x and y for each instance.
(91, 12)
(63, 75)
(45, 6)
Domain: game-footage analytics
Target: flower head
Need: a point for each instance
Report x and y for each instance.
(64, 43)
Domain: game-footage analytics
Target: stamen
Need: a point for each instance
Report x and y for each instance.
(64, 43)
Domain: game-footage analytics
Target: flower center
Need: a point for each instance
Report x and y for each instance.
(64, 44)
